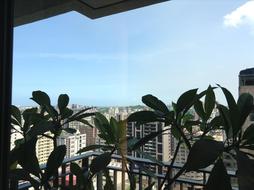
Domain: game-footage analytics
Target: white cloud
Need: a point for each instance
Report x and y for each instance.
(243, 15)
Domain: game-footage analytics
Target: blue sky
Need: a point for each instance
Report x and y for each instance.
(164, 49)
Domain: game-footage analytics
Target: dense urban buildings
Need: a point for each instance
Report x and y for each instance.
(162, 147)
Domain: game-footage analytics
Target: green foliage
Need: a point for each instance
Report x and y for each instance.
(203, 153)
(194, 133)
(245, 171)
(34, 123)
(219, 179)
(154, 103)
(54, 161)
(100, 162)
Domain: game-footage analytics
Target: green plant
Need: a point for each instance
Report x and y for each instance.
(32, 124)
(204, 150)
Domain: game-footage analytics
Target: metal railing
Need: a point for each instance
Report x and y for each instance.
(66, 178)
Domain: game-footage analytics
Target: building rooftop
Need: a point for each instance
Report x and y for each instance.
(249, 71)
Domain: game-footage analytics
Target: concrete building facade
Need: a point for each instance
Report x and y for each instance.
(246, 85)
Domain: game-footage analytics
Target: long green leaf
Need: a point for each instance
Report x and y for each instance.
(25, 155)
(142, 117)
(55, 160)
(109, 183)
(94, 147)
(203, 153)
(245, 105)
(249, 132)
(209, 101)
(77, 171)
(15, 112)
(40, 129)
(66, 113)
(154, 103)
(224, 112)
(233, 111)
(141, 142)
(70, 130)
(149, 157)
(219, 179)
(186, 100)
(40, 98)
(63, 101)
(245, 171)
(81, 112)
(198, 106)
(100, 162)
(21, 174)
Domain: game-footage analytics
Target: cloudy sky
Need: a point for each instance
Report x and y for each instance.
(164, 49)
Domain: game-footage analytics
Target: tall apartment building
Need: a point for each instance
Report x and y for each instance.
(14, 136)
(158, 147)
(44, 147)
(246, 85)
(73, 142)
(91, 133)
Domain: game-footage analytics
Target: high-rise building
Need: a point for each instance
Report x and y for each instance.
(44, 147)
(73, 142)
(246, 85)
(14, 136)
(157, 147)
(90, 132)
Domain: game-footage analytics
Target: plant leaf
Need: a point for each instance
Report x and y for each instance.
(154, 103)
(141, 142)
(66, 113)
(21, 174)
(245, 171)
(63, 101)
(218, 179)
(216, 123)
(55, 160)
(77, 171)
(40, 129)
(143, 117)
(109, 183)
(81, 112)
(233, 111)
(224, 112)
(40, 98)
(198, 106)
(149, 157)
(70, 130)
(249, 132)
(85, 122)
(100, 162)
(94, 147)
(209, 102)
(16, 114)
(186, 100)
(245, 105)
(203, 153)
(25, 154)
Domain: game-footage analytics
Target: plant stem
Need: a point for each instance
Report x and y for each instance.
(186, 141)
(171, 165)
(180, 172)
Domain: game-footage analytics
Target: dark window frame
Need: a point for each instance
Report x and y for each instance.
(6, 52)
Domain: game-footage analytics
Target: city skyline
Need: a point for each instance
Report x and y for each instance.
(162, 50)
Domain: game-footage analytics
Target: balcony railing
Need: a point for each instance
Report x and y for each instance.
(183, 183)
